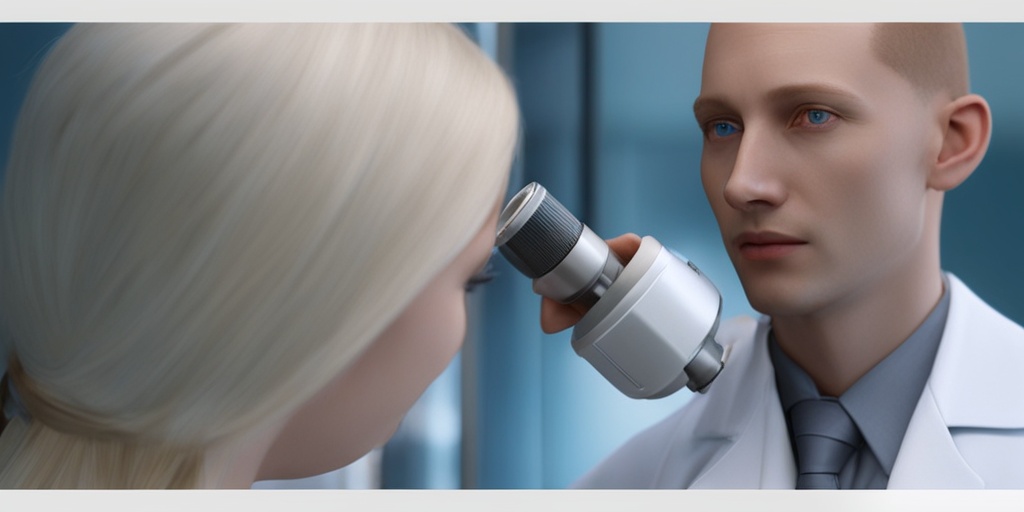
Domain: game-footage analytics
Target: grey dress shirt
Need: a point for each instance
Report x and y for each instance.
(881, 402)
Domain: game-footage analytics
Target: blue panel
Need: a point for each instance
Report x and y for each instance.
(514, 359)
(648, 172)
(508, 376)
(645, 180)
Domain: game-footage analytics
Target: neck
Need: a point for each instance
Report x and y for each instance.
(836, 345)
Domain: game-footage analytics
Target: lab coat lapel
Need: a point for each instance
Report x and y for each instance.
(975, 379)
(928, 458)
(760, 457)
(754, 450)
(979, 354)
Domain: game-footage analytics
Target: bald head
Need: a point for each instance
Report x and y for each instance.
(931, 56)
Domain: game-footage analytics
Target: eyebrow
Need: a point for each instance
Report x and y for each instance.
(708, 104)
(816, 89)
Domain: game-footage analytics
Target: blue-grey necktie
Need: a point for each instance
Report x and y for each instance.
(825, 437)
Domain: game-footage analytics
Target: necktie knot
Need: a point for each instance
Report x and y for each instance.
(825, 437)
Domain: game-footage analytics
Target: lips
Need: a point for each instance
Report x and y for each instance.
(767, 245)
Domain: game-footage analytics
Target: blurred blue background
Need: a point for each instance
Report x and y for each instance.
(609, 131)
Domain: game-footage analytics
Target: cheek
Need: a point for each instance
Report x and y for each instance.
(423, 341)
(363, 406)
(874, 202)
(716, 163)
(438, 334)
(898, 174)
(891, 176)
(713, 176)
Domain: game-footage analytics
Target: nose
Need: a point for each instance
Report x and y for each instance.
(755, 182)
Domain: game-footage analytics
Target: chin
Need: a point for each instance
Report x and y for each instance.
(777, 297)
(329, 462)
(387, 432)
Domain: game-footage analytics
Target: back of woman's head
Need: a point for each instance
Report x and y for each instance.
(202, 225)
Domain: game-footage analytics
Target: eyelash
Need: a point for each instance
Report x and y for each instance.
(485, 276)
(709, 129)
(802, 115)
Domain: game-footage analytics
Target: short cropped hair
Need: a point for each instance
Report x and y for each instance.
(932, 56)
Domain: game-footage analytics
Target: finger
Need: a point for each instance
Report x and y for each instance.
(556, 317)
(625, 246)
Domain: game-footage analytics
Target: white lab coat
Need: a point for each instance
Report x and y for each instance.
(967, 431)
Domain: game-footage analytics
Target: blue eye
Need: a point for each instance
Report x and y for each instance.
(723, 129)
(818, 116)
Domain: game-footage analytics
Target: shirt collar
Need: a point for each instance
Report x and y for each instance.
(882, 401)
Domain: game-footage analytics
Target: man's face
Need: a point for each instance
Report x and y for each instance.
(814, 162)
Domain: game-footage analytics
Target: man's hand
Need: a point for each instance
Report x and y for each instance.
(555, 317)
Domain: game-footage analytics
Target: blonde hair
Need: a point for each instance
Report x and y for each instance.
(202, 225)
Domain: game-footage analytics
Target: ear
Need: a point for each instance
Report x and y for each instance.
(967, 124)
